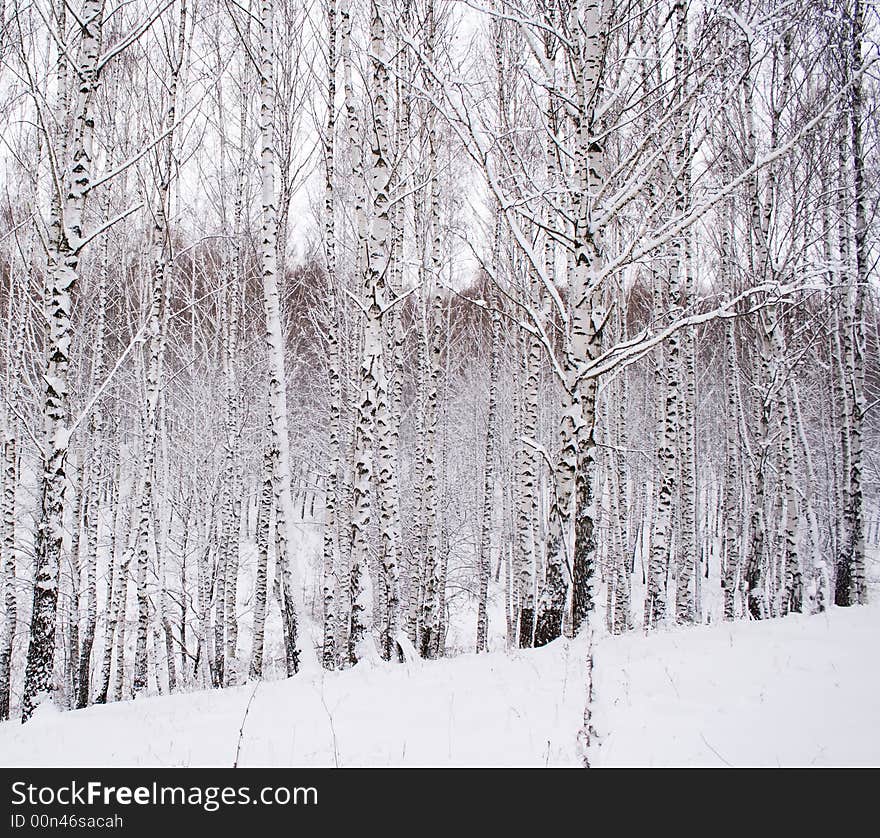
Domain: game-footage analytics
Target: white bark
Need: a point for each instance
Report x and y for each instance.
(301, 653)
(8, 480)
(61, 276)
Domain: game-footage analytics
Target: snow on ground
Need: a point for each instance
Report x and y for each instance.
(488, 710)
(798, 691)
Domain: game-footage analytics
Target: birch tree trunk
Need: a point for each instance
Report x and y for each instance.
(230, 537)
(115, 574)
(121, 623)
(373, 437)
(7, 569)
(300, 651)
(771, 339)
(819, 581)
(589, 312)
(330, 543)
(430, 603)
(96, 482)
(730, 549)
(688, 568)
(662, 555)
(74, 562)
(61, 276)
(160, 251)
(851, 587)
(574, 502)
(792, 599)
(484, 548)
(227, 576)
(620, 571)
(264, 524)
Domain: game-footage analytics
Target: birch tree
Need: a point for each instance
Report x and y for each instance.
(72, 182)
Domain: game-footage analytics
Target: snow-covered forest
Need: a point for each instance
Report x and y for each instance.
(340, 331)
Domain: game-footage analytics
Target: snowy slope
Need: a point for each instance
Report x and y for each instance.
(797, 691)
(490, 710)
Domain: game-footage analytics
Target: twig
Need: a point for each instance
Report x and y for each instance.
(729, 764)
(243, 721)
(332, 727)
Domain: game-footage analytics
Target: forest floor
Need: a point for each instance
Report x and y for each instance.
(495, 709)
(795, 691)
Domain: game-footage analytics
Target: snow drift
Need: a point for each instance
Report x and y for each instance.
(798, 691)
